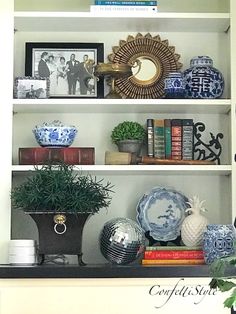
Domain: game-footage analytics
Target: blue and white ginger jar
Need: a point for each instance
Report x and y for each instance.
(202, 80)
(174, 85)
(218, 241)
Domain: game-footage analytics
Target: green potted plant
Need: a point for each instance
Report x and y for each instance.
(128, 136)
(60, 200)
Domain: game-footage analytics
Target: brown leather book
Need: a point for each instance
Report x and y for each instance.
(69, 155)
(176, 139)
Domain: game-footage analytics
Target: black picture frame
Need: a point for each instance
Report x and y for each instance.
(75, 81)
(27, 87)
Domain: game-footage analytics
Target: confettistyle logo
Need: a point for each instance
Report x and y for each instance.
(165, 294)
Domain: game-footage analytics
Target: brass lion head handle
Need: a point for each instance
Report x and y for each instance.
(60, 226)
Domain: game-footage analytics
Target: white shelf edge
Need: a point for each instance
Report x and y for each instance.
(143, 169)
(121, 105)
(114, 22)
(88, 14)
(219, 101)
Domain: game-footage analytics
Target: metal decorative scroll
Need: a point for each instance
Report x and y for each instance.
(203, 150)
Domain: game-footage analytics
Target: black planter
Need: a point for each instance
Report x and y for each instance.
(70, 242)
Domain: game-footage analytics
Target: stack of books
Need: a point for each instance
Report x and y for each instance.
(173, 255)
(170, 139)
(124, 6)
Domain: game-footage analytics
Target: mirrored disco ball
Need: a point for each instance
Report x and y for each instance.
(121, 240)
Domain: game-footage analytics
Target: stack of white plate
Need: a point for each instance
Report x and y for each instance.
(22, 252)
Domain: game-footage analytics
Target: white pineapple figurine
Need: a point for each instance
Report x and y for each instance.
(194, 225)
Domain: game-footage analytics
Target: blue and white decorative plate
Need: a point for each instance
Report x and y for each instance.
(161, 212)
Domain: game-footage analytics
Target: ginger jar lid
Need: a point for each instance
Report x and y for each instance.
(175, 75)
(201, 61)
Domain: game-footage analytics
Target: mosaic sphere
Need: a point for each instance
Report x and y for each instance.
(121, 241)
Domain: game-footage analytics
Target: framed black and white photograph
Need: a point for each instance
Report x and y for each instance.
(68, 66)
(31, 87)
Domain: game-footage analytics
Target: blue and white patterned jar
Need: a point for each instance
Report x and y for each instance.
(202, 80)
(218, 241)
(174, 85)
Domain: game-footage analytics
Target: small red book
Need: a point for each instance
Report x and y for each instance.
(174, 254)
(173, 262)
(68, 155)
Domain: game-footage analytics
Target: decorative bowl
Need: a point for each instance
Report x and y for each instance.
(54, 134)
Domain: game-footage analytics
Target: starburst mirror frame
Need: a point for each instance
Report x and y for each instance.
(146, 50)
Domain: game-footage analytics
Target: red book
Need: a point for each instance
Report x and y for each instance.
(173, 261)
(165, 254)
(176, 139)
(68, 155)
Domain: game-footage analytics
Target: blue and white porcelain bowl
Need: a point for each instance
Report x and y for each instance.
(54, 134)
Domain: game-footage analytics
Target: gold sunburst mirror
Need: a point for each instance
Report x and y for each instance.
(156, 59)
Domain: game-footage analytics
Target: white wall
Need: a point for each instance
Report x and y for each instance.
(80, 5)
(113, 296)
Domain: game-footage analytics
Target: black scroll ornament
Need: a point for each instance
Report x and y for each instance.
(206, 151)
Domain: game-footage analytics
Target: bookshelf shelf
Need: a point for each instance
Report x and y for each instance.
(219, 170)
(85, 21)
(211, 106)
(103, 271)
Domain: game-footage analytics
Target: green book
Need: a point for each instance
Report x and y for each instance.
(167, 135)
(159, 139)
(173, 248)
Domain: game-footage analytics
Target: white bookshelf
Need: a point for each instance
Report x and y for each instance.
(194, 28)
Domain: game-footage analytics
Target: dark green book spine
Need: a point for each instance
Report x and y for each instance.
(167, 131)
(159, 139)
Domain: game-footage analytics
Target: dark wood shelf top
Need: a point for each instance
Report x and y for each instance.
(103, 271)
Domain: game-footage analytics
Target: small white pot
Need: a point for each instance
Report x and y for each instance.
(22, 252)
(28, 243)
(22, 259)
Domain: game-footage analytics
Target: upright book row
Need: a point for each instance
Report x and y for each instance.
(170, 138)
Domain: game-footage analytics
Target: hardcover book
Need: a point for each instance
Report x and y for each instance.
(165, 254)
(187, 139)
(147, 9)
(171, 248)
(150, 137)
(167, 135)
(176, 139)
(159, 139)
(126, 2)
(173, 261)
(68, 155)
